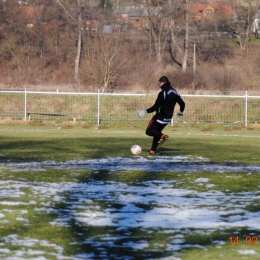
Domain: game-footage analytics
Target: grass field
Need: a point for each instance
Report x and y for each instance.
(78, 193)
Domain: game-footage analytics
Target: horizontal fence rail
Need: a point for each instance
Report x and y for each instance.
(120, 108)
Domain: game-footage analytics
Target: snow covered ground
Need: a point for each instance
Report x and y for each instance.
(152, 163)
(152, 207)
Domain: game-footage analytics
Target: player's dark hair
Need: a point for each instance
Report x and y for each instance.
(163, 79)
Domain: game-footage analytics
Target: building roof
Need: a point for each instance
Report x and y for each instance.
(133, 11)
(227, 9)
(197, 9)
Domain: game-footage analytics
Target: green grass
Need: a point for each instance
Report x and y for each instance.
(42, 143)
(39, 143)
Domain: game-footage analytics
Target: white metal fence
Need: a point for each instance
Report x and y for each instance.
(120, 108)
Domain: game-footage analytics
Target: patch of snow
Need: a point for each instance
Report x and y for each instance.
(156, 163)
(202, 180)
(247, 252)
(151, 206)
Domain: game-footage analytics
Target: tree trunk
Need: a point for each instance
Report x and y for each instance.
(186, 43)
(77, 60)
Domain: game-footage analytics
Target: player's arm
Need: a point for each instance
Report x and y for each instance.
(182, 106)
(157, 104)
(153, 108)
(181, 103)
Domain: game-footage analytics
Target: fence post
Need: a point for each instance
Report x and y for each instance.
(25, 105)
(246, 111)
(98, 123)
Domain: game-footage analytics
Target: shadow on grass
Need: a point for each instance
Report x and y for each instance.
(168, 151)
(70, 148)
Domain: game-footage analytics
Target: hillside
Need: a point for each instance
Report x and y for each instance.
(39, 48)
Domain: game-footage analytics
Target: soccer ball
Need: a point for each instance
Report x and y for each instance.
(136, 149)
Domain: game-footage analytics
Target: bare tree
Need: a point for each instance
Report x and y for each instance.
(76, 18)
(241, 25)
(77, 59)
(159, 31)
(174, 8)
(21, 40)
(186, 41)
(224, 78)
(105, 57)
(217, 52)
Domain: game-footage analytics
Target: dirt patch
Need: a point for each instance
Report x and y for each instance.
(86, 126)
(207, 129)
(237, 128)
(227, 128)
(255, 125)
(103, 127)
(132, 126)
(66, 127)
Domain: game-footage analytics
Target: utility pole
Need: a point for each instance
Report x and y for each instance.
(194, 62)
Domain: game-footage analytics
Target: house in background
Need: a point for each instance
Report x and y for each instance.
(91, 18)
(200, 12)
(139, 17)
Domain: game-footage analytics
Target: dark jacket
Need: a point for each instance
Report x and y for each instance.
(165, 103)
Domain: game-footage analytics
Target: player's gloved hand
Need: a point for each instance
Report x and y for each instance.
(180, 114)
(141, 113)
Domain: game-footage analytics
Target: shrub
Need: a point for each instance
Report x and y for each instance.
(224, 79)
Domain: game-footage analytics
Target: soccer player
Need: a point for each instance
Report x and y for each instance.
(164, 108)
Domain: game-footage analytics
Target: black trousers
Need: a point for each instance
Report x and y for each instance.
(154, 129)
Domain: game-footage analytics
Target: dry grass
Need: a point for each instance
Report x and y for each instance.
(255, 125)
(103, 127)
(207, 129)
(243, 74)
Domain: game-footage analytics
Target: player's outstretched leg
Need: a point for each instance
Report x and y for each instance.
(163, 139)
